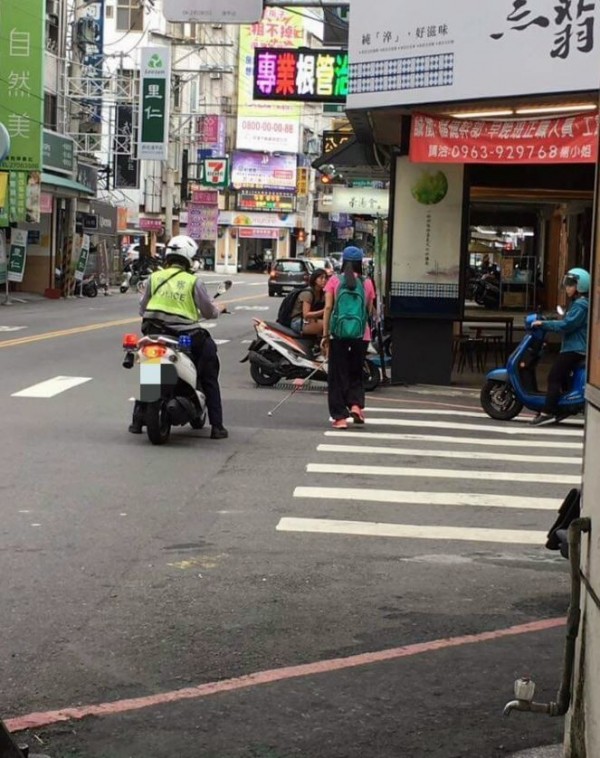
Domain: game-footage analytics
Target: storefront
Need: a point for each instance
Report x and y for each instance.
(506, 149)
(245, 238)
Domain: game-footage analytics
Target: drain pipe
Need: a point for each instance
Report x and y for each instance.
(525, 687)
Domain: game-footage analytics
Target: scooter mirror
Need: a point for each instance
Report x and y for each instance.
(560, 310)
(224, 286)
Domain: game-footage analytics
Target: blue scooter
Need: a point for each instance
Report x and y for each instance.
(507, 390)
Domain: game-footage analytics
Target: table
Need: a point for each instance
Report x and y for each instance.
(491, 323)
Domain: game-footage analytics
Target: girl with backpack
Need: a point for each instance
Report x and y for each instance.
(349, 302)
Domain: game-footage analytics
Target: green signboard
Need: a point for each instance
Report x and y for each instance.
(18, 254)
(59, 153)
(154, 109)
(22, 55)
(83, 258)
(17, 194)
(3, 258)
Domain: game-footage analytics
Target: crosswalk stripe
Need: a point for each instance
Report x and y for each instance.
(52, 387)
(400, 497)
(469, 454)
(372, 529)
(392, 436)
(430, 473)
(483, 428)
(569, 423)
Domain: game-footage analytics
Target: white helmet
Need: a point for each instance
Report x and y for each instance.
(182, 246)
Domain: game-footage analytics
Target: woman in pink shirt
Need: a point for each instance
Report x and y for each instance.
(346, 392)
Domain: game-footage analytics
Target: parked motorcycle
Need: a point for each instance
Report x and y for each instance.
(507, 390)
(168, 381)
(281, 353)
(486, 291)
(134, 275)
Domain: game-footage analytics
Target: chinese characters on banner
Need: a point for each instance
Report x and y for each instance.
(559, 140)
(363, 201)
(203, 222)
(262, 126)
(209, 11)
(211, 133)
(304, 75)
(571, 22)
(84, 255)
(22, 82)
(126, 166)
(17, 256)
(154, 110)
(261, 171)
(440, 51)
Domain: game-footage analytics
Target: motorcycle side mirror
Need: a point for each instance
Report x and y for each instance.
(224, 286)
(560, 310)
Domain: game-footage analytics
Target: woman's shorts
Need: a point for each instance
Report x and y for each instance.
(296, 324)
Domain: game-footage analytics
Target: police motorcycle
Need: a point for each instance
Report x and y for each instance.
(279, 352)
(507, 390)
(168, 378)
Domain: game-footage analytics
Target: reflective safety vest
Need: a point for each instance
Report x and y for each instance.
(175, 296)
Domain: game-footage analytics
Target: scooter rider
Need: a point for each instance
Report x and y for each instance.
(573, 327)
(171, 304)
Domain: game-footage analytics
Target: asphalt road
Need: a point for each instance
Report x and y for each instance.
(349, 580)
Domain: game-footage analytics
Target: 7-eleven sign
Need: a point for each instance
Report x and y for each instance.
(215, 172)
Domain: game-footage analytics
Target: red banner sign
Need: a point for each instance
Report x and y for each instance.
(573, 139)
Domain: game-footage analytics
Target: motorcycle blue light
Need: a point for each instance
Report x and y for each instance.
(185, 342)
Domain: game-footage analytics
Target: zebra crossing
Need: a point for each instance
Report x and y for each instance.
(441, 475)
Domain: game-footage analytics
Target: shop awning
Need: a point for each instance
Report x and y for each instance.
(67, 185)
(354, 160)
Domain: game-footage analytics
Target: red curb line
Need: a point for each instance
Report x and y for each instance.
(43, 719)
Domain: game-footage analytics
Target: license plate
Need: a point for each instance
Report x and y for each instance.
(150, 373)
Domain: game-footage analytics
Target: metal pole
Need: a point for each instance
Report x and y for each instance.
(7, 300)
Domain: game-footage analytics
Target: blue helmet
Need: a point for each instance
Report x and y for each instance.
(352, 253)
(578, 277)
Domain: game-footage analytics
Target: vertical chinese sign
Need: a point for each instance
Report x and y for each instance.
(22, 81)
(154, 110)
(268, 127)
(125, 163)
(18, 253)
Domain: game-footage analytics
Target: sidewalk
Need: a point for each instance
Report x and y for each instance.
(551, 751)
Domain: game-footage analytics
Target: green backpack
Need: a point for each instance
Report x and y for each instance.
(349, 317)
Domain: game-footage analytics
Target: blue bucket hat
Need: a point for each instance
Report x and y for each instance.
(352, 253)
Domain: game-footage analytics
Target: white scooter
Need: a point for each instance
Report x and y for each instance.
(168, 378)
(281, 353)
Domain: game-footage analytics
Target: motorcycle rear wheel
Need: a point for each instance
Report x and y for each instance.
(158, 425)
(371, 376)
(262, 376)
(499, 401)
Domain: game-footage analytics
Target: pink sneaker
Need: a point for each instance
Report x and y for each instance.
(357, 414)
(340, 423)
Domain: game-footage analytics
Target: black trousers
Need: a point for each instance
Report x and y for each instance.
(345, 376)
(558, 379)
(204, 354)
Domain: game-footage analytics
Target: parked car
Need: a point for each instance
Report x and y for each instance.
(325, 263)
(288, 273)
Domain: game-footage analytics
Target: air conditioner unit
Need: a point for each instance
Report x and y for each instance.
(52, 8)
(216, 26)
(214, 75)
(226, 105)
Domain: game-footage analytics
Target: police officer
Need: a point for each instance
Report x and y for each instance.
(172, 302)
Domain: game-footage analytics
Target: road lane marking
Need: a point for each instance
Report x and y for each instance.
(399, 497)
(11, 328)
(391, 436)
(258, 678)
(483, 428)
(434, 473)
(221, 342)
(52, 387)
(410, 531)
(93, 327)
(465, 454)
